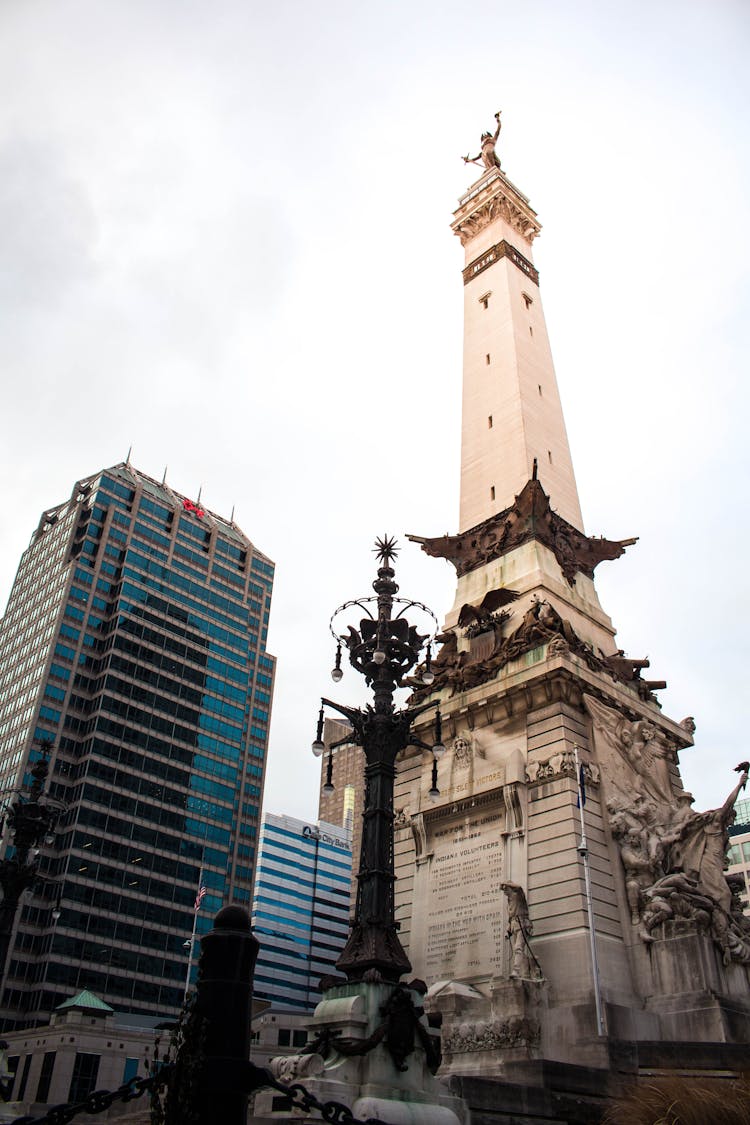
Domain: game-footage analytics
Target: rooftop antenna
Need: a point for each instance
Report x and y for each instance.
(199, 493)
(231, 518)
(127, 459)
(164, 478)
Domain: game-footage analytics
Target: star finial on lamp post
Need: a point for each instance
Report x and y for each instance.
(386, 549)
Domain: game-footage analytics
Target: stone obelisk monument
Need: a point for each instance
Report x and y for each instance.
(491, 889)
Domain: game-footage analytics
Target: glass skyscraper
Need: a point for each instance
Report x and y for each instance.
(135, 642)
(300, 909)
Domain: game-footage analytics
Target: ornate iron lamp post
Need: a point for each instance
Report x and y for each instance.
(384, 650)
(30, 822)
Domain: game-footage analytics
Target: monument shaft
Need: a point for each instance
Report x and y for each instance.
(511, 411)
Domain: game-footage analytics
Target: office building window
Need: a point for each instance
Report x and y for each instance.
(85, 1074)
(45, 1076)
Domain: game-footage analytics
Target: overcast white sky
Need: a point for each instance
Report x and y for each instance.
(225, 240)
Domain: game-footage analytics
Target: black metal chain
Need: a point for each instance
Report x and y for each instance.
(100, 1100)
(300, 1098)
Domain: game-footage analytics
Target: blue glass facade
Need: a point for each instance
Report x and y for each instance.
(135, 640)
(300, 909)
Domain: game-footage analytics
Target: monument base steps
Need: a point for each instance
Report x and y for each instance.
(541, 1092)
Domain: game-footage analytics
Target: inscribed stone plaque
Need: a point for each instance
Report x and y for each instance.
(462, 900)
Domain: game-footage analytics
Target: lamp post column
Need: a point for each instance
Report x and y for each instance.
(384, 649)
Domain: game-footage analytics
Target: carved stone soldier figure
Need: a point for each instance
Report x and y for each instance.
(702, 849)
(519, 929)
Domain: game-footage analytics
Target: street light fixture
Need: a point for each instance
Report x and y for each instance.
(383, 649)
(318, 746)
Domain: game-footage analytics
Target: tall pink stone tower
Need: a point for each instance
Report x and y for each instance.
(538, 945)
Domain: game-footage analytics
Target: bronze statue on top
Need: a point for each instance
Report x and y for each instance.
(487, 154)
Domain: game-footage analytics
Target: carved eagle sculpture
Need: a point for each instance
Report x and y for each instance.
(477, 616)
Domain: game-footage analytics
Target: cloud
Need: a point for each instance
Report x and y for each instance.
(226, 241)
(49, 228)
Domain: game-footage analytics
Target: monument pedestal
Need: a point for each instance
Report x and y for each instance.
(489, 1034)
(695, 996)
(372, 1050)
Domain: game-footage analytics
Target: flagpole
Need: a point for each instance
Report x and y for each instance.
(583, 851)
(196, 908)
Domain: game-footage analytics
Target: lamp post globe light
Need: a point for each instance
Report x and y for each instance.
(30, 822)
(383, 649)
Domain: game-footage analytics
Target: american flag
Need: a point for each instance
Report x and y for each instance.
(199, 897)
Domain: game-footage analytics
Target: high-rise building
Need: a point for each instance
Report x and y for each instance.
(135, 642)
(300, 909)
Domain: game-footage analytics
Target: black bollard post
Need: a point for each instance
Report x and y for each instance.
(222, 1012)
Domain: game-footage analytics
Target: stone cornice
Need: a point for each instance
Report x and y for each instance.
(529, 517)
(493, 197)
(462, 806)
(525, 687)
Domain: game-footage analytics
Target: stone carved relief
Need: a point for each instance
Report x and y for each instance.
(463, 752)
(702, 844)
(516, 1031)
(514, 821)
(465, 764)
(672, 898)
(290, 1068)
(559, 765)
(463, 670)
(738, 931)
(524, 964)
(673, 858)
(529, 517)
(638, 753)
(499, 207)
(558, 646)
(628, 671)
(419, 832)
(483, 618)
(401, 818)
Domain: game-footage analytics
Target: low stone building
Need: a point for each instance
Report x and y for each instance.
(86, 1046)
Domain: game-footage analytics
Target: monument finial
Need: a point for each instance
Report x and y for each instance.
(487, 154)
